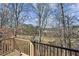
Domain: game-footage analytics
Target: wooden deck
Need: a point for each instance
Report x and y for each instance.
(16, 53)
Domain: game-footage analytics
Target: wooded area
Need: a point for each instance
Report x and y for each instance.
(62, 29)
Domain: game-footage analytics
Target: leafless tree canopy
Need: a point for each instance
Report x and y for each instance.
(55, 23)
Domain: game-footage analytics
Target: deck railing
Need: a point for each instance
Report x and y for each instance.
(41, 49)
(6, 46)
(25, 46)
(34, 48)
(11, 44)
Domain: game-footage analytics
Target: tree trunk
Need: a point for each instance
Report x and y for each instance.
(63, 24)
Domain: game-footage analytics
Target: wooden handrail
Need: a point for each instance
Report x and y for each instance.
(44, 47)
(57, 46)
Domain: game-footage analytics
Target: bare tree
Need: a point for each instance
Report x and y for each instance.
(43, 11)
(4, 14)
(17, 9)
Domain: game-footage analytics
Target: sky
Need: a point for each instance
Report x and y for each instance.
(71, 9)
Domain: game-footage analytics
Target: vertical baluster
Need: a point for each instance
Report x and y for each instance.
(2, 47)
(47, 51)
(29, 48)
(13, 43)
(50, 51)
(57, 52)
(13, 40)
(37, 53)
(61, 51)
(8, 46)
(40, 49)
(65, 52)
(70, 53)
(53, 51)
(34, 49)
(75, 53)
(44, 50)
(5, 48)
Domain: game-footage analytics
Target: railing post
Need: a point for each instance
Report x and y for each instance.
(32, 49)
